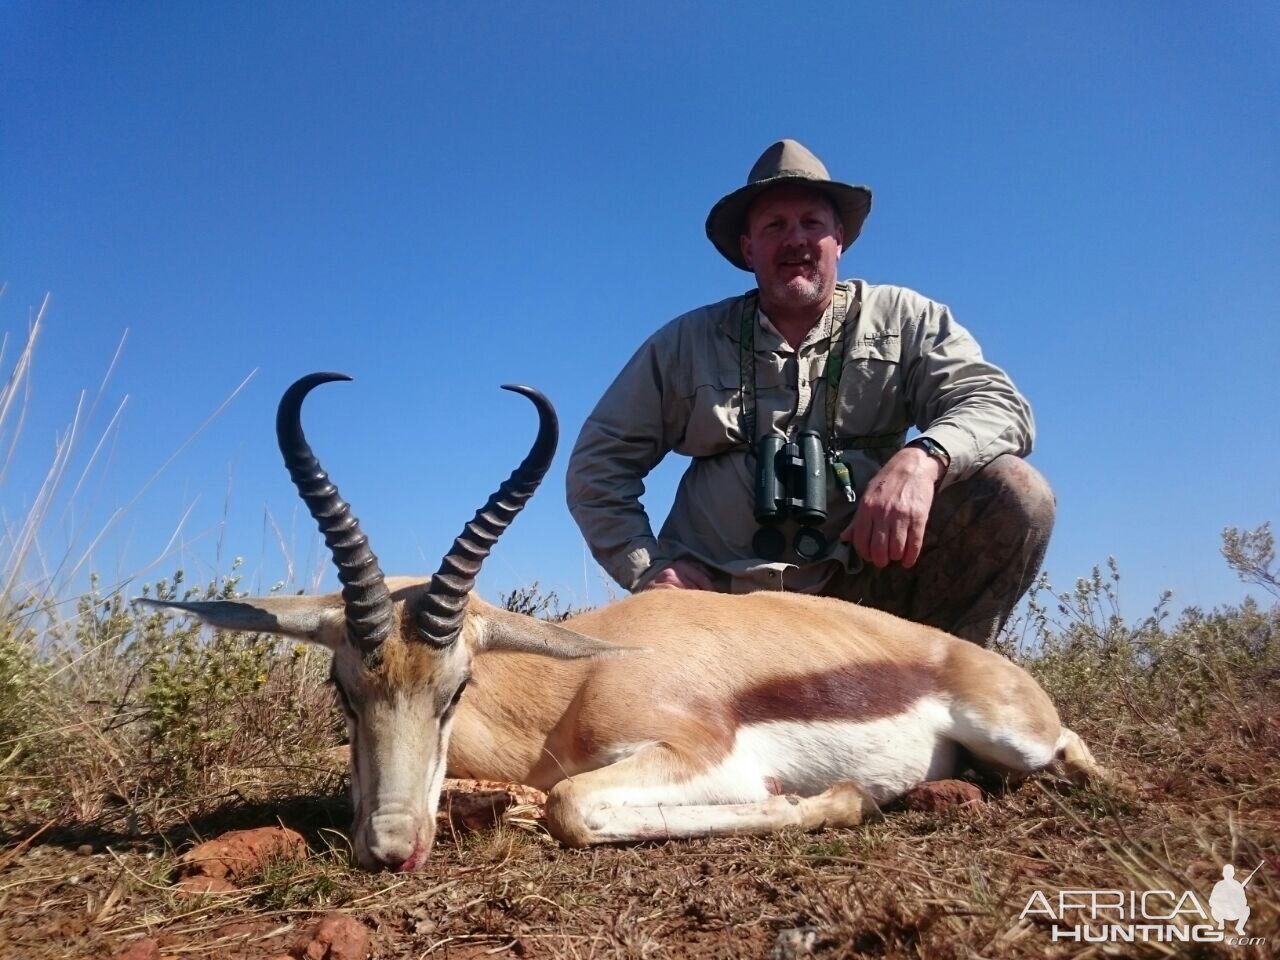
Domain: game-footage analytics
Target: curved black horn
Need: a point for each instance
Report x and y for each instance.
(437, 614)
(364, 591)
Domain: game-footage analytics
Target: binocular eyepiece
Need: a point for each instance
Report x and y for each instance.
(791, 483)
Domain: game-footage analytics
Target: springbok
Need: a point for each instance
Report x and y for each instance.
(667, 714)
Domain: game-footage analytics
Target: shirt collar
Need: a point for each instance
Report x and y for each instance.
(818, 333)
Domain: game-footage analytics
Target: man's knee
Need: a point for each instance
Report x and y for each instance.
(1023, 495)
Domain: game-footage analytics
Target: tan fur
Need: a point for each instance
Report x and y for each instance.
(631, 715)
(1005, 694)
(539, 721)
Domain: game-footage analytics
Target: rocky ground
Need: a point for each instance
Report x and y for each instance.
(946, 875)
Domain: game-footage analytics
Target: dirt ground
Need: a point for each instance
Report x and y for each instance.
(948, 883)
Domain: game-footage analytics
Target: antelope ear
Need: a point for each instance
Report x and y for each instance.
(503, 630)
(314, 619)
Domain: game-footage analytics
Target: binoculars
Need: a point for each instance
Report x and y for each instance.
(791, 483)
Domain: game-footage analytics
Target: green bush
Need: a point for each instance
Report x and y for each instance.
(1165, 676)
(23, 679)
(135, 714)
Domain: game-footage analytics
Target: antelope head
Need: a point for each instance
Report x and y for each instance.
(402, 652)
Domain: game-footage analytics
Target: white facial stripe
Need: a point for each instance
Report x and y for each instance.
(435, 782)
(399, 748)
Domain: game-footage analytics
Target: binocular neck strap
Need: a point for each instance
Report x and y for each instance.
(747, 365)
(846, 302)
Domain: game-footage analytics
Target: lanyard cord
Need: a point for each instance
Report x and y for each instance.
(747, 365)
(842, 302)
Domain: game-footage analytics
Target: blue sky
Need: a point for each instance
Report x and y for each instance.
(437, 199)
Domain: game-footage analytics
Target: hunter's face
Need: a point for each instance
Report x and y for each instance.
(793, 243)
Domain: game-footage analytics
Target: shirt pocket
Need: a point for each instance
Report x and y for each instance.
(715, 421)
(871, 397)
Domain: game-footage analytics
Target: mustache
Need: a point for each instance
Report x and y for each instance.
(795, 256)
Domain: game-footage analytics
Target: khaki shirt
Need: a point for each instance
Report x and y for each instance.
(907, 363)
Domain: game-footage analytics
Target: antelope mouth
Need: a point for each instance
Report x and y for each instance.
(396, 840)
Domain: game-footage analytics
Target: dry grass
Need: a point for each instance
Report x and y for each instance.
(1188, 713)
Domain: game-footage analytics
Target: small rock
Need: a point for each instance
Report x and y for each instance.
(793, 943)
(939, 796)
(337, 936)
(473, 805)
(145, 949)
(241, 852)
(85, 849)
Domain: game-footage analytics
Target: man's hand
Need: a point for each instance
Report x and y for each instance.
(889, 525)
(682, 575)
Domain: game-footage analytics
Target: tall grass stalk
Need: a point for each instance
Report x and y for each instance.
(81, 679)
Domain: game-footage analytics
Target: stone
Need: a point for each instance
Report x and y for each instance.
(241, 852)
(338, 936)
(145, 949)
(941, 796)
(471, 805)
(793, 943)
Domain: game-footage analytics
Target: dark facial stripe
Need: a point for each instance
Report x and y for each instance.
(854, 692)
(343, 699)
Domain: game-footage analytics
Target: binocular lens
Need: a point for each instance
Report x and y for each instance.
(768, 543)
(809, 544)
(791, 483)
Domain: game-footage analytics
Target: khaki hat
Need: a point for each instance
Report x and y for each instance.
(787, 161)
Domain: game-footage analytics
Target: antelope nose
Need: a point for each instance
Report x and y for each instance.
(392, 840)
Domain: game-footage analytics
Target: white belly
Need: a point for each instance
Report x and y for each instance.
(886, 757)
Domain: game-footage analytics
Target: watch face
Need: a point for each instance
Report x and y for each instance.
(931, 447)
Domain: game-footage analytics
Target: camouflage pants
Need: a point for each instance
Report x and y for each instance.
(983, 546)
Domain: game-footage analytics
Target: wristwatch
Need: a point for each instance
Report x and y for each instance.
(934, 449)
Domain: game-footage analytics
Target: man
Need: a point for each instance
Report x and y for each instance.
(948, 529)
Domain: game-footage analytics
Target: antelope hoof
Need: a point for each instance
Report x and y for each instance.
(843, 805)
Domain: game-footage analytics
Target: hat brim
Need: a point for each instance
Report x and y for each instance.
(727, 220)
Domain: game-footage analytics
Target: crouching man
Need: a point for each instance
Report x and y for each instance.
(794, 401)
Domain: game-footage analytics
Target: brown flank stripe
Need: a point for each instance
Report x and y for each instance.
(854, 692)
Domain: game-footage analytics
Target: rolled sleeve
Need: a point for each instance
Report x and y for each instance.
(960, 400)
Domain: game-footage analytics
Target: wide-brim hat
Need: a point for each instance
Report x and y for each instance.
(787, 161)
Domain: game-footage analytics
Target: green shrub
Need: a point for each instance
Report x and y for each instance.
(1164, 676)
(23, 680)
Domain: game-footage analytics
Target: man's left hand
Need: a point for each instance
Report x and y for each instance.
(889, 525)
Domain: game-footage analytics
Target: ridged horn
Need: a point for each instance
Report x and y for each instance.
(364, 590)
(437, 614)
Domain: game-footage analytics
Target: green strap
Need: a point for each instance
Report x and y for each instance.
(841, 306)
(747, 366)
(747, 306)
(879, 441)
(846, 306)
